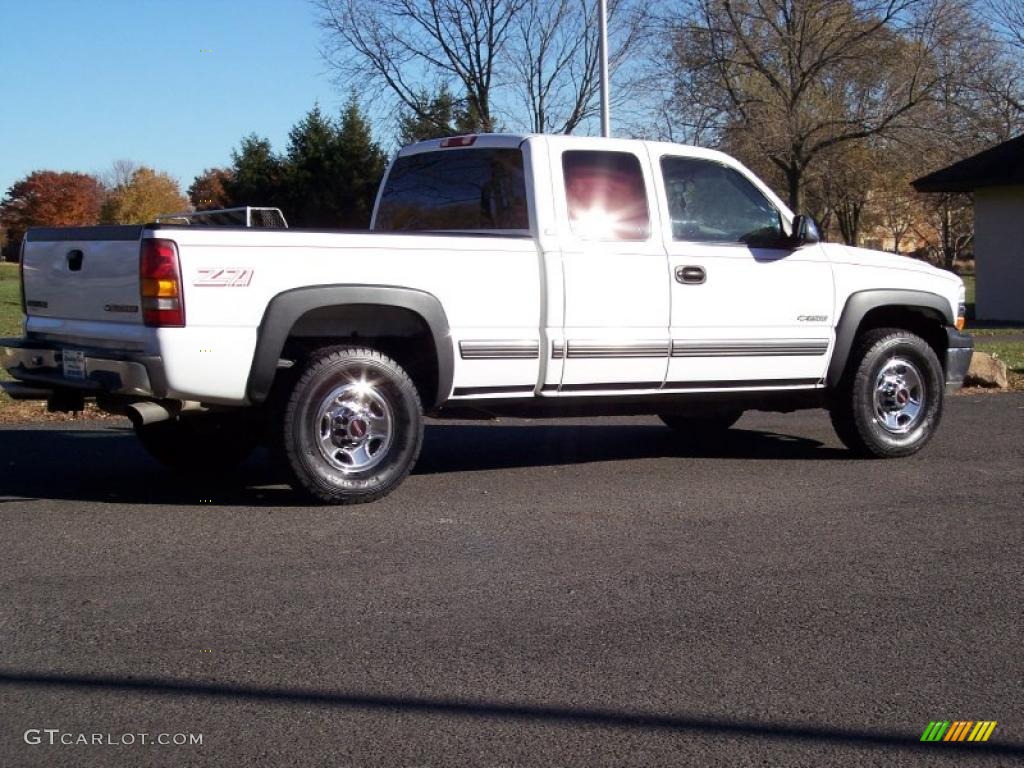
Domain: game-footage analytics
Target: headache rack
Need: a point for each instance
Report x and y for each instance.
(247, 216)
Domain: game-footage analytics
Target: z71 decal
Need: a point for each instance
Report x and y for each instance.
(223, 277)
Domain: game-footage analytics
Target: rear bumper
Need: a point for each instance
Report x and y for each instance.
(959, 350)
(38, 366)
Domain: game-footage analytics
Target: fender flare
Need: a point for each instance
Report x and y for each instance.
(285, 309)
(860, 303)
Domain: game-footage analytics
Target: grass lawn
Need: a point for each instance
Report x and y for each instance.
(10, 301)
(10, 314)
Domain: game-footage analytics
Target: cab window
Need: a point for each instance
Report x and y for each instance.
(455, 190)
(712, 203)
(606, 195)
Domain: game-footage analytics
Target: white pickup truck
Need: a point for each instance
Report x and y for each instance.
(503, 275)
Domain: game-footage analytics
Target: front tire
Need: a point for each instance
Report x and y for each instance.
(889, 403)
(351, 427)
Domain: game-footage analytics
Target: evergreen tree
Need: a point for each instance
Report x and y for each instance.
(437, 117)
(256, 174)
(361, 164)
(315, 188)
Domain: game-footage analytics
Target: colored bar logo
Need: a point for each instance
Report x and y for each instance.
(958, 730)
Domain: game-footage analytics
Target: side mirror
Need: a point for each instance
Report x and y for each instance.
(805, 231)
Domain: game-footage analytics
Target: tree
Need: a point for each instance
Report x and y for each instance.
(142, 197)
(361, 165)
(533, 63)
(797, 78)
(312, 179)
(554, 56)
(330, 170)
(256, 174)
(395, 43)
(49, 199)
(435, 117)
(208, 190)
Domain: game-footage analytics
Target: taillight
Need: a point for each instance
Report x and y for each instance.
(163, 300)
(458, 141)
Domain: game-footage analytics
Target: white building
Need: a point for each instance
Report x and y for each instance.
(996, 179)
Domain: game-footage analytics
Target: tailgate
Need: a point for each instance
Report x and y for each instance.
(83, 273)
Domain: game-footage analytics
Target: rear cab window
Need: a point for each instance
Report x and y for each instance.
(606, 195)
(456, 190)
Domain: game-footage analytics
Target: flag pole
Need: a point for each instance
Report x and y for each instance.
(605, 112)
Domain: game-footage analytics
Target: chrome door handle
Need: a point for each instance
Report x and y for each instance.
(691, 275)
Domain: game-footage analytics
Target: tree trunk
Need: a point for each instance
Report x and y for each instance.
(794, 177)
(948, 251)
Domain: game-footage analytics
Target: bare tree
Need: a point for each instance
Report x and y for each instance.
(791, 79)
(412, 46)
(1008, 18)
(119, 174)
(554, 59)
(532, 64)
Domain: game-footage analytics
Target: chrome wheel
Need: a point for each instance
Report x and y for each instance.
(899, 396)
(355, 426)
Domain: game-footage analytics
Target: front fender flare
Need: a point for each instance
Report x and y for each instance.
(857, 307)
(285, 309)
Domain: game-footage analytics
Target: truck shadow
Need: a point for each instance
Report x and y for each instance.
(107, 464)
(473, 447)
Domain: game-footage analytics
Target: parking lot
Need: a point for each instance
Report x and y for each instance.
(574, 593)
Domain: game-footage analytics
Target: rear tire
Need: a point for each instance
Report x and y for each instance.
(352, 426)
(889, 402)
(202, 443)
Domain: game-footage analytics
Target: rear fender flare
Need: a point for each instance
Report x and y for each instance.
(285, 309)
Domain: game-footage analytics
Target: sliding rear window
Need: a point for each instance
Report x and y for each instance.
(456, 190)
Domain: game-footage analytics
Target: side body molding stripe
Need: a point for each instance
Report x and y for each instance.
(862, 302)
(286, 308)
(746, 348)
(499, 350)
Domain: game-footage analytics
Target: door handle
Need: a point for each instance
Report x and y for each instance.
(691, 275)
(75, 260)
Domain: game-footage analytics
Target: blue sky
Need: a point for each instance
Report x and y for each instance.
(87, 82)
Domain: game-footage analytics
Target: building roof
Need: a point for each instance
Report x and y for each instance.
(997, 166)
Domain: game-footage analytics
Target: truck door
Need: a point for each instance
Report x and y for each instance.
(615, 330)
(748, 310)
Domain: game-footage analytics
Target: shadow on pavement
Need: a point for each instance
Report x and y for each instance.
(108, 464)
(566, 716)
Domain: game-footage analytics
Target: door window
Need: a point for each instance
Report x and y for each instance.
(606, 195)
(712, 203)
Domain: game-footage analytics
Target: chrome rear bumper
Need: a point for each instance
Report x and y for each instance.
(36, 366)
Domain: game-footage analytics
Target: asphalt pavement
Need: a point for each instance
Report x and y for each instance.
(555, 593)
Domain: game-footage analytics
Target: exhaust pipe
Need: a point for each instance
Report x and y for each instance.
(146, 412)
